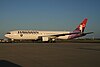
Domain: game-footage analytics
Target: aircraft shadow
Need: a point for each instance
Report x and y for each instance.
(5, 63)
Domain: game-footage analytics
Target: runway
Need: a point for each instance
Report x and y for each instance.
(50, 54)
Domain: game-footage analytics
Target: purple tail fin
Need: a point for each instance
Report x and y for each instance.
(81, 26)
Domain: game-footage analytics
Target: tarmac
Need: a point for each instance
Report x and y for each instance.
(49, 54)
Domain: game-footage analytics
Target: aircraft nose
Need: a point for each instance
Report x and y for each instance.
(6, 35)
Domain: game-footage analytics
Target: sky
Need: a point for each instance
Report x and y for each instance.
(61, 15)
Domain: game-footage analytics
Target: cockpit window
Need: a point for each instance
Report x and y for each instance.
(8, 33)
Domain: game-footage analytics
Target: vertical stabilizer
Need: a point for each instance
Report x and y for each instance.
(81, 26)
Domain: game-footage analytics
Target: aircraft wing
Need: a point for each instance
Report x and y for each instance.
(87, 33)
(57, 35)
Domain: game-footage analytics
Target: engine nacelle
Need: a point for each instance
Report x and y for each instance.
(45, 38)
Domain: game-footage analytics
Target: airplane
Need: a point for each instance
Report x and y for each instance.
(48, 35)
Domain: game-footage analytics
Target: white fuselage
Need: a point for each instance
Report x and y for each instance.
(34, 35)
